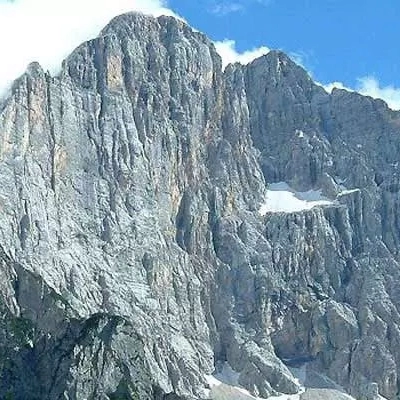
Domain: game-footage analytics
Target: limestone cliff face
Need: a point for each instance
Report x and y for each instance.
(134, 258)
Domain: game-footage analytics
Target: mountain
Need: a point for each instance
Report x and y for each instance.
(163, 221)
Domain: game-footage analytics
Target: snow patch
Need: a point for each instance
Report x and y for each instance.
(224, 386)
(221, 391)
(347, 191)
(281, 197)
(300, 373)
(213, 381)
(285, 397)
(228, 375)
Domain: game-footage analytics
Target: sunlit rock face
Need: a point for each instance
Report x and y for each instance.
(163, 221)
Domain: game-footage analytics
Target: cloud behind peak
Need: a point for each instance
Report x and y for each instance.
(230, 55)
(46, 31)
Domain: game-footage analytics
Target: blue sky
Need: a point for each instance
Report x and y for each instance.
(337, 40)
(343, 43)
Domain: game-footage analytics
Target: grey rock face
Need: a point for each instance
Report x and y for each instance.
(134, 257)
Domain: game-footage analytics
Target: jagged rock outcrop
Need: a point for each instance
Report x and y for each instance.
(134, 258)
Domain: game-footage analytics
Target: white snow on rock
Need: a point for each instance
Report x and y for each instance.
(282, 198)
(300, 373)
(285, 397)
(347, 191)
(222, 391)
(228, 375)
(224, 386)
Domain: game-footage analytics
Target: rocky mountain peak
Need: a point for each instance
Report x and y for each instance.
(170, 230)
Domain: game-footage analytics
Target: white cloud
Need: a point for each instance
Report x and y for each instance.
(48, 30)
(370, 86)
(229, 54)
(223, 8)
(226, 8)
(334, 85)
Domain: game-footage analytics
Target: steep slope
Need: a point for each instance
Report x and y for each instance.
(135, 259)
